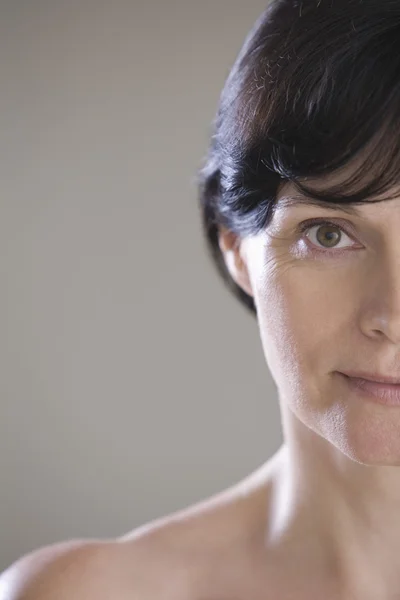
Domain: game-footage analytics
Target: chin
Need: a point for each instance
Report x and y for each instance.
(365, 432)
(372, 459)
(370, 443)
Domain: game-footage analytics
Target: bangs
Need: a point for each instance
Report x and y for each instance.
(303, 108)
(362, 175)
(313, 99)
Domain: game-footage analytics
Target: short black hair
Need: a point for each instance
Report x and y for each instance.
(315, 85)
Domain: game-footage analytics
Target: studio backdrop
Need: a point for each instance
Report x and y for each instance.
(132, 383)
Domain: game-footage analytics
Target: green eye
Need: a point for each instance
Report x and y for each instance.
(327, 235)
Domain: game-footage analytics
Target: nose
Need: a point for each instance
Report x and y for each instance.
(381, 312)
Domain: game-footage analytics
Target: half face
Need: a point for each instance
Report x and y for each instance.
(326, 283)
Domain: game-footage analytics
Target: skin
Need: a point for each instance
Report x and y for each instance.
(343, 488)
(319, 519)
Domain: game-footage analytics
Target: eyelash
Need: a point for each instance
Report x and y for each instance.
(310, 223)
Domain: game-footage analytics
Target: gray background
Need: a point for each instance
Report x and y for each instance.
(132, 384)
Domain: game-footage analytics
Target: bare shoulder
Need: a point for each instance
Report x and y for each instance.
(209, 548)
(94, 570)
(158, 561)
(59, 570)
(185, 555)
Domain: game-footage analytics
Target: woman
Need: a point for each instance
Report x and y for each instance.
(301, 213)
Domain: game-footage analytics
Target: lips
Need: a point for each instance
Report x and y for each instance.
(384, 379)
(383, 393)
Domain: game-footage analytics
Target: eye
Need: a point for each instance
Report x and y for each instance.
(324, 234)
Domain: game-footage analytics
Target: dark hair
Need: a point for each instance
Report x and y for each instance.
(315, 83)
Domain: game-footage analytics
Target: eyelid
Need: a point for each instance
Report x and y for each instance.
(344, 225)
(310, 223)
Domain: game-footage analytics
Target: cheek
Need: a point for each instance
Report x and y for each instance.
(285, 342)
(300, 317)
(304, 310)
(289, 316)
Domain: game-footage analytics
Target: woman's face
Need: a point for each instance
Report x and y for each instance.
(328, 301)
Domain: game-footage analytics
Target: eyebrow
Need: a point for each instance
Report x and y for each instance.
(287, 201)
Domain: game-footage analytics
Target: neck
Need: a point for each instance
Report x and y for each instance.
(343, 514)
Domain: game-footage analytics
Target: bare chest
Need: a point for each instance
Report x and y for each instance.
(250, 582)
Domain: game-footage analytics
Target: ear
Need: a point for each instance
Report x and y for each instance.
(232, 248)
